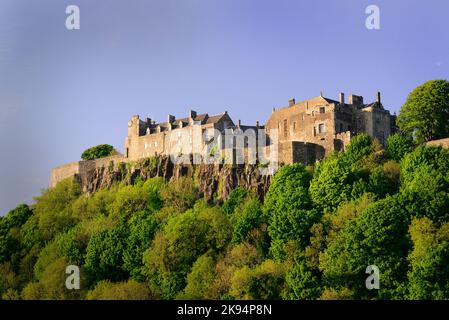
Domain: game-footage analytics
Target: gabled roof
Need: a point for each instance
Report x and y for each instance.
(202, 118)
(330, 100)
(216, 118)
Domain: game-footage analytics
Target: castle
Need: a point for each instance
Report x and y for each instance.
(303, 132)
(300, 132)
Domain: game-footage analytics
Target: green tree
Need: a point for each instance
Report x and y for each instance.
(236, 197)
(265, 281)
(129, 200)
(54, 208)
(377, 236)
(99, 151)
(104, 255)
(142, 227)
(301, 282)
(425, 181)
(398, 145)
(200, 279)
(51, 284)
(425, 114)
(180, 194)
(10, 231)
(289, 208)
(246, 217)
(183, 239)
(429, 274)
(288, 190)
(127, 290)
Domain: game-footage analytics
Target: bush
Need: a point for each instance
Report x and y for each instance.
(100, 151)
(398, 146)
(127, 290)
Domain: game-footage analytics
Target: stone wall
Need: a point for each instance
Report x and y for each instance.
(63, 172)
(82, 168)
(441, 142)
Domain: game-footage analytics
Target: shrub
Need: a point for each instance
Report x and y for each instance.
(100, 151)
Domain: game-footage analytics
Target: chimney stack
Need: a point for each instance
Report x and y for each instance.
(356, 100)
(342, 98)
(239, 123)
(378, 96)
(274, 109)
(192, 114)
(291, 102)
(170, 118)
(257, 123)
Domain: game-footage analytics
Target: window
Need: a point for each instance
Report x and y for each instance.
(322, 109)
(341, 127)
(285, 128)
(127, 152)
(294, 125)
(321, 128)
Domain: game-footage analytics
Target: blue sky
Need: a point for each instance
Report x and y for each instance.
(62, 91)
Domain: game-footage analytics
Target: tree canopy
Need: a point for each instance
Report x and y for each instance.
(425, 114)
(99, 151)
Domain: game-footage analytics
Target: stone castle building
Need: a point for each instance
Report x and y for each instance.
(303, 132)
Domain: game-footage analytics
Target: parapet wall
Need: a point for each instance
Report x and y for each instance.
(63, 172)
(82, 168)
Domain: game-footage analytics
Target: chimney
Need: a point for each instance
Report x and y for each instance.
(378, 96)
(274, 109)
(291, 102)
(148, 120)
(192, 114)
(239, 123)
(257, 123)
(170, 118)
(342, 98)
(356, 100)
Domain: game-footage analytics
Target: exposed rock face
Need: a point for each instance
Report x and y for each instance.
(214, 181)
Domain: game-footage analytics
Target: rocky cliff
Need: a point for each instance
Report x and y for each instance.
(214, 181)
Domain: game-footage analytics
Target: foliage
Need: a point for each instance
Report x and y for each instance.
(311, 236)
(53, 208)
(127, 290)
(398, 145)
(236, 197)
(425, 114)
(429, 274)
(99, 151)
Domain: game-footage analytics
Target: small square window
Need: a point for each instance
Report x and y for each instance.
(322, 109)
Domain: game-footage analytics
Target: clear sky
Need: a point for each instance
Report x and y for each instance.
(62, 91)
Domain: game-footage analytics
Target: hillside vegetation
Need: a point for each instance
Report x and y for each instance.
(312, 237)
